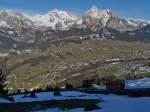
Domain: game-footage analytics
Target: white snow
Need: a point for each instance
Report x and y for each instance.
(49, 96)
(137, 22)
(10, 32)
(112, 103)
(55, 17)
(132, 84)
(63, 19)
(10, 12)
(103, 14)
(4, 24)
(144, 69)
(28, 50)
(114, 59)
(58, 110)
(141, 68)
(2, 100)
(138, 83)
(99, 87)
(49, 110)
(79, 21)
(3, 54)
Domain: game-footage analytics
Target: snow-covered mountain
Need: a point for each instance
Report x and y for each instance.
(137, 23)
(21, 27)
(96, 19)
(13, 19)
(17, 26)
(56, 19)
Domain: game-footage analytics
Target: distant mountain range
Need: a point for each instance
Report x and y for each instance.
(19, 30)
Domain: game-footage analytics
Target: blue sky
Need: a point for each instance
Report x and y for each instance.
(124, 8)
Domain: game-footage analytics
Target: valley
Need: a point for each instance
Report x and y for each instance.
(57, 47)
(75, 62)
(73, 56)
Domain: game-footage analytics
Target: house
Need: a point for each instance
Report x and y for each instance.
(115, 85)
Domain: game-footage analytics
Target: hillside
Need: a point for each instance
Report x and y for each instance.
(60, 46)
(74, 62)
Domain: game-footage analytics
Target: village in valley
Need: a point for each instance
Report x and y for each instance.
(74, 56)
(93, 95)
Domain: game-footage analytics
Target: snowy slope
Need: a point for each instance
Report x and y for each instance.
(102, 14)
(59, 19)
(55, 18)
(49, 96)
(114, 103)
(97, 18)
(111, 103)
(4, 24)
(3, 101)
(20, 27)
(137, 23)
(131, 84)
(44, 96)
(12, 18)
(138, 83)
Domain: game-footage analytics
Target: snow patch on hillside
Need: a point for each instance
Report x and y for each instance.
(138, 83)
(2, 100)
(44, 96)
(3, 24)
(137, 22)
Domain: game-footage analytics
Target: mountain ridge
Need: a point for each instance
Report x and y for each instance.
(17, 28)
(55, 16)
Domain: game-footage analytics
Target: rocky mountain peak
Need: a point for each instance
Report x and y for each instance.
(26, 28)
(94, 9)
(96, 12)
(56, 18)
(63, 14)
(96, 18)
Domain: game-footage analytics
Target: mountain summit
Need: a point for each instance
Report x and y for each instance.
(55, 19)
(19, 27)
(95, 19)
(95, 12)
